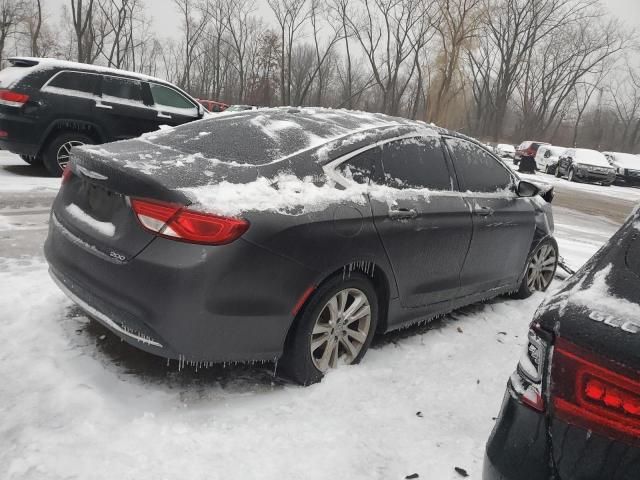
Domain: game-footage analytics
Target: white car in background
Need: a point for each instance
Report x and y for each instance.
(547, 158)
(505, 150)
(627, 167)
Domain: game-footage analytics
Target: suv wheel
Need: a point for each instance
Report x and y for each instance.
(57, 153)
(541, 268)
(571, 176)
(334, 328)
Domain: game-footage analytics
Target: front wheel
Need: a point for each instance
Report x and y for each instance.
(571, 176)
(541, 268)
(334, 328)
(58, 151)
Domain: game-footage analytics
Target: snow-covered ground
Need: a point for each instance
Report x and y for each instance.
(77, 403)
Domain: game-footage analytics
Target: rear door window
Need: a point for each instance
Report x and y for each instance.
(169, 100)
(479, 170)
(73, 83)
(416, 163)
(363, 167)
(122, 90)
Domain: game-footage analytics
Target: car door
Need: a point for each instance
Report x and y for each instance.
(503, 223)
(424, 224)
(73, 93)
(125, 107)
(172, 106)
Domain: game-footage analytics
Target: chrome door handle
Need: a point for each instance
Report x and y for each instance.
(102, 105)
(402, 214)
(163, 115)
(484, 211)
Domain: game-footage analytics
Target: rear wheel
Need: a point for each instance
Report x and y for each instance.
(541, 268)
(557, 172)
(334, 328)
(58, 151)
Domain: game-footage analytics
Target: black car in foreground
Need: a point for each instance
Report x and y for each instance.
(572, 407)
(48, 106)
(291, 233)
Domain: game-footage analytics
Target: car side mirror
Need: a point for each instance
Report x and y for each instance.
(526, 189)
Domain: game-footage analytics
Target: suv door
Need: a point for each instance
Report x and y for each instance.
(503, 223)
(70, 95)
(172, 106)
(424, 225)
(125, 107)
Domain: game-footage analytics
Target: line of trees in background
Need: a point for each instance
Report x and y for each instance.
(562, 71)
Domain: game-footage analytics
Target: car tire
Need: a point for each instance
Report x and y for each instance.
(539, 273)
(32, 160)
(548, 170)
(58, 148)
(557, 173)
(571, 176)
(314, 323)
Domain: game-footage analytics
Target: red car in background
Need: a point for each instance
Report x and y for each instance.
(213, 106)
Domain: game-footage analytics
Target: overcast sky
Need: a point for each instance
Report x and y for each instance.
(167, 22)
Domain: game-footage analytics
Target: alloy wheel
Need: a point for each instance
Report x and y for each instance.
(541, 268)
(341, 330)
(63, 153)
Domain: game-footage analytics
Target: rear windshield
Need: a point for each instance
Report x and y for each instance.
(10, 75)
(258, 139)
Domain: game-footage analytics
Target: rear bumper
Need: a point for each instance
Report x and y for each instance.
(517, 448)
(183, 301)
(21, 131)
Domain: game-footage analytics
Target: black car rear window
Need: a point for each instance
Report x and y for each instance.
(75, 81)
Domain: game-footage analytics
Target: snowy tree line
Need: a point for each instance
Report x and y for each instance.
(502, 70)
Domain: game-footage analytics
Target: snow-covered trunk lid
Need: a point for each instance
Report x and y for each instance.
(94, 206)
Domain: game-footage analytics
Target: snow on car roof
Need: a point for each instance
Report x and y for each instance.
(46, 63)
(625, 160)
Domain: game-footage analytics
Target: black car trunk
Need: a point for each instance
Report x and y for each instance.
(94, 205)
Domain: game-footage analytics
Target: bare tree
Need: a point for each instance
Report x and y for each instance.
(82, 17)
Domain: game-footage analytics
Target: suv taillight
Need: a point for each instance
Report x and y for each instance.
(527, 382)
(179, 223)
(589, 394)
(12, 99)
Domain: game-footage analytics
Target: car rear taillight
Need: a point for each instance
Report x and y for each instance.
(179, 223)
(67, 173)
(588, 393)
(12, 99)
(528, 380)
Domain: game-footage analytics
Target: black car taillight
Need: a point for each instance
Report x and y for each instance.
(594, 393)
(179, 223)
(527, 382)
(12, 99)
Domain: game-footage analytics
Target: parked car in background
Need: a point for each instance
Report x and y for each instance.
(547, 158)
(627, 167)
(241, 108)
(49, 106)
(581, 164)
(328, 226)
(505, 150)
(572, 407)
(525, 155)
(213, 106)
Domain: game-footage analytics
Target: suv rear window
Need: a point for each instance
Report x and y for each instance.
(75, 81)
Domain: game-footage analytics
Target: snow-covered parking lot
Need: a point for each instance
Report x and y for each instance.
(75, 402)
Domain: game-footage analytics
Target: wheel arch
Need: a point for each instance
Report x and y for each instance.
(61, 125)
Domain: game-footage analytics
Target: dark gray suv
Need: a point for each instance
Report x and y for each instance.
(49, 106)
